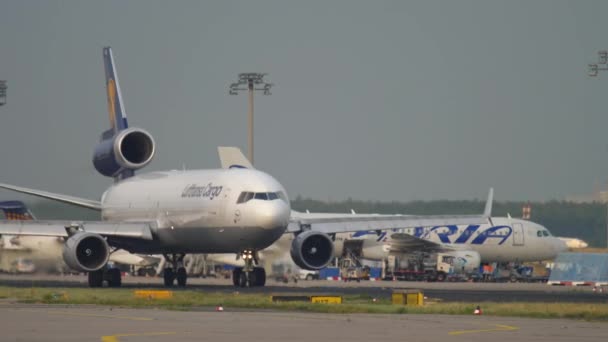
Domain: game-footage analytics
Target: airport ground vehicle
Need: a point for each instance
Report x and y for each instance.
(352, 270)
(22, 265)
(308, 275)
(520, 274)
(424, 267)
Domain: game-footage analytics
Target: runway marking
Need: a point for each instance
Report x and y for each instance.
(131, 318)
(499, 327)
(115, 338)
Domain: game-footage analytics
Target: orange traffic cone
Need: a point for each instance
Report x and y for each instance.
(477, 310)
(219, 308)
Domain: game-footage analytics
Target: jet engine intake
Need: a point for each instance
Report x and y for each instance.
(86, 252)
(312, 250)
(131, 149)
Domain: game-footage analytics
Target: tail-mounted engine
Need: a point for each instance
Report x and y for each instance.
(130, 149)
(86, 252)
(312, 250)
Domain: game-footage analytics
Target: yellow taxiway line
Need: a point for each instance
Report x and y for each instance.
(498, 327)
(115, 338)
(130, 318)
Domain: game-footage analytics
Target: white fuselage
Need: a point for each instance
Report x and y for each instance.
(197, 211)
(505, 240)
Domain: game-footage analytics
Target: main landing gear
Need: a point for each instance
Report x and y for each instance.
(112, 276)
(173, 273)
(249, 276)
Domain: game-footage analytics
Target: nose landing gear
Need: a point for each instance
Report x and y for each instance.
(249, 276)
(170, 274)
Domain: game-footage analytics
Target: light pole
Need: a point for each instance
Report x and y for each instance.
(254, 82)
(2, 93)
(594, 69)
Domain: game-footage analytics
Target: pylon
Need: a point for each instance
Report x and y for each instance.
(477, 310)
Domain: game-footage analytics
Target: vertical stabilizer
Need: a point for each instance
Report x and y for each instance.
(233, 157)
(16, 210)
(116, 108)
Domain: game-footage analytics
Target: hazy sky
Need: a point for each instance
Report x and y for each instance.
(380, 100)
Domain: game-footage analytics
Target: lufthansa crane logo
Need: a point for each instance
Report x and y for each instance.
(112, 102)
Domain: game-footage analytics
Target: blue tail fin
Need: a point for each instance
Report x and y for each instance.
(116, 108)
(16, 210)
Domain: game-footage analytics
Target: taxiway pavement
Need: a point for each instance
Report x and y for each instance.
(19, 322)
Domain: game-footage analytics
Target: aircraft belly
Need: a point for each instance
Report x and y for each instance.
(209, 240)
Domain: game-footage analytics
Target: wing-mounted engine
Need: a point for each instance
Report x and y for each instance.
(465, 261)
(129, 149)
(312, 250)
(86, 252)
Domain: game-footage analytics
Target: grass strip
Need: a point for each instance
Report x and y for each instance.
(191, 300)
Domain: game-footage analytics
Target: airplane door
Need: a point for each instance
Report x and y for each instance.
(518, 234)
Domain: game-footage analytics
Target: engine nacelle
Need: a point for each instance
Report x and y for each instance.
(86, 252)
(312, 250)
(131, 149)
(465, 261)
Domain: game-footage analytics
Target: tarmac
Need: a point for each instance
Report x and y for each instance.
(19, 322)
(36, 322)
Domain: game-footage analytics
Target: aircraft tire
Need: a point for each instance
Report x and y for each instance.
(182, 277)
(236, 276)
(114, 277)
(260, 276)
(168, 277)
(243, 281)
(96, 278)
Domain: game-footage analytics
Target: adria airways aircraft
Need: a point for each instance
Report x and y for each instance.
(237, 210)
(499, 239)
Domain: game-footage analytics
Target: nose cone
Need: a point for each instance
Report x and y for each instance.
(272, 214)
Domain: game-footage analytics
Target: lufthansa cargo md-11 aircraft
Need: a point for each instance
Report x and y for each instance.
(236, 210)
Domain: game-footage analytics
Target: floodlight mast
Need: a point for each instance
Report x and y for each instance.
(594, 70)
(2, 93)
(254, 82)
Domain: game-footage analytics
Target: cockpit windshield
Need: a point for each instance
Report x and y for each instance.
(543, 233)
(246, 196)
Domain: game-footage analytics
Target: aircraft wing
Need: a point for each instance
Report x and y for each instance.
(401, 243)
(136, 230)
(345, 223)
(355, 223)
(81, 202)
